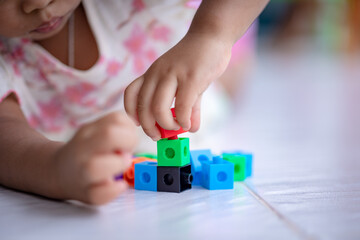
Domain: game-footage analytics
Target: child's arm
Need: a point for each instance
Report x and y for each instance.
(82, 169)
(186, 70)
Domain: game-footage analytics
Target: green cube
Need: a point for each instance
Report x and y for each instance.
(239, 162)
(148, 155)
(173, 153)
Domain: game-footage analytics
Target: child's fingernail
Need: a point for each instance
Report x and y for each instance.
(186, 128)
(157, 138)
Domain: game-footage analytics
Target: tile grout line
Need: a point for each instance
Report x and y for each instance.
(290, 224)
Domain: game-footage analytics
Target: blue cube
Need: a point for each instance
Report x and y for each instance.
(217, 174)
(249, 160)
(196, 158)
(146, 176)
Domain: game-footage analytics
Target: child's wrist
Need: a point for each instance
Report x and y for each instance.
(208, 36)
(55, 172)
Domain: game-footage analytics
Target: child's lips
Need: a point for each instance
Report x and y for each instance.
(49, 26)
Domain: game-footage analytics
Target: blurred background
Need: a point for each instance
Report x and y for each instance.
(330, 24)
(295, 72)
(295, 28)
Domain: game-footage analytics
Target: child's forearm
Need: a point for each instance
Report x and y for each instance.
(227, 20)
(26, 157)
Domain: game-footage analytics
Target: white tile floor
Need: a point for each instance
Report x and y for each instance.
(301, 119)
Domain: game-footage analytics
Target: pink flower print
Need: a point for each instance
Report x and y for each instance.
(51, 110)
(136, 41)
(136, 45)
(101, 60)
(151, 55)
(138, 5)
(113, 68)
(25, 41)
(16, 69)
(33, 121)
(139, 65)
(51, 113)
(18, 54)
(161, 33)
(73, 123)
(45, 62)
(41, 76)
(78, 92)
(193, 3)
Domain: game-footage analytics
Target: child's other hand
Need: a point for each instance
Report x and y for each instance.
(97, 153)
(184, 72)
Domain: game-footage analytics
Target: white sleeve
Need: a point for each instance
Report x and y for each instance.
(6, 81)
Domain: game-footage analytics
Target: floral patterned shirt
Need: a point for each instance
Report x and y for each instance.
(130, 34)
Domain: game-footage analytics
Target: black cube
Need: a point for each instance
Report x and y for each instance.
(174, 179)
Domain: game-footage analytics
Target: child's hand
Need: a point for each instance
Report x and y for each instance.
(184, 72)
(86, 166)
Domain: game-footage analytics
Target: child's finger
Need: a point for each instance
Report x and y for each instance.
(99, 194)
(185, 100)
(114, 119)
(106, 136)
(146, 118)
(130, 98)
(163, 97)
(116, 138)
(195, 115)
(104, 167)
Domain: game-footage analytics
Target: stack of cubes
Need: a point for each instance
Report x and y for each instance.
(174, 169)
(172, 172)
(220, 172)
(177, 168)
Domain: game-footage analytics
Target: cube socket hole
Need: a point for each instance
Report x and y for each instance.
(168, 179)
(145, 177)
(221, 176)
(237, 168)
(187, 177)
(170, 153)
(203, 158)
(185, 151)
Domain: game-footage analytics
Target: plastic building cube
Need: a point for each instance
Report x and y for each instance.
(129, 174)
(174, 179)
(249, 160)
(242, 169)
(146, 176)
(217, 174)
(169, 133)
(196, 159)
(173, 153)
(239, 162)
(147, 155)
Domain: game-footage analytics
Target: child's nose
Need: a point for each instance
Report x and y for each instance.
(31, 5)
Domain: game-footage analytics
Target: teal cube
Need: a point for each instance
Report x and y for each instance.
(173, 153)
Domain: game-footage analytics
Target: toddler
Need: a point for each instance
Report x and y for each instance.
(65, 67)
